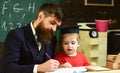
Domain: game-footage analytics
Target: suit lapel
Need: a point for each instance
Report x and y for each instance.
(49, 51)
(31, 42)
(33, 45)
(50, 48)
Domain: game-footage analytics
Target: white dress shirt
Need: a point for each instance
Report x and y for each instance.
(38, 43)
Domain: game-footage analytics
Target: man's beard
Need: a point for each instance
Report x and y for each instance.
(44, 35)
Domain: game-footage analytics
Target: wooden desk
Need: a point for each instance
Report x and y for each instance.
(84, 69)
(111, 71)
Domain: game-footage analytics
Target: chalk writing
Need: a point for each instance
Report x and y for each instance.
(15, 14)
(16, 8)
(10, 15)
(8, 26)
(31, 7)
(4, 8)
(4, 26)
(23, 16)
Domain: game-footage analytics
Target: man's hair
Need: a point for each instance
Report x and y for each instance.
(52, 8)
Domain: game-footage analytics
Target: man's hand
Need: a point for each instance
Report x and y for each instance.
(50, 65)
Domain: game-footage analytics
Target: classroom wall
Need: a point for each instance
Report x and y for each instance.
(76, 11)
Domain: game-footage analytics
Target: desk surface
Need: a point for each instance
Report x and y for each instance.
(97, 69)
(111, 71)
(70, 70)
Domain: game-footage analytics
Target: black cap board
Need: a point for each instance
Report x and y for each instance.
(69, 29)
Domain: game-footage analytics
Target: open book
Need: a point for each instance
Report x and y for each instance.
(97, 68)
(70, 70)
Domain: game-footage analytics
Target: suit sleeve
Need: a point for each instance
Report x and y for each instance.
(11, 55)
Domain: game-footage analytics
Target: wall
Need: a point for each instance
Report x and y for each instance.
(1, 50)
(76, 11)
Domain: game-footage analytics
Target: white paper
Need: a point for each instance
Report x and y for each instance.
(70, 70)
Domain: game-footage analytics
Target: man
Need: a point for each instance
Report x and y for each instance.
(28, 49)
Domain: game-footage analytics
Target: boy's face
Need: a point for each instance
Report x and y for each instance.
(70, 44)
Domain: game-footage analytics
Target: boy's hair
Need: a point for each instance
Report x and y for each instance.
(69, 31)
(62, 36)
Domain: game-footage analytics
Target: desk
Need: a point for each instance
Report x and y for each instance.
(98, 69)
(111, 71)
(70, 70)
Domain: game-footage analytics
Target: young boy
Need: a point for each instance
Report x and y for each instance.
(69, 42)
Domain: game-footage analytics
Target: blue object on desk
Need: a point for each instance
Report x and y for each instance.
(74, 72)
(78, 72)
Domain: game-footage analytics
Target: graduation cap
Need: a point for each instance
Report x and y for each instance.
(70, 29)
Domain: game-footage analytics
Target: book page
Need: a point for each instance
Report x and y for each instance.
(70, 70)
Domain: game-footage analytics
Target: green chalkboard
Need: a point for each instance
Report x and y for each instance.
(17, 13)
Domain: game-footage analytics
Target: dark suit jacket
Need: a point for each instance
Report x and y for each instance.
(20, 51)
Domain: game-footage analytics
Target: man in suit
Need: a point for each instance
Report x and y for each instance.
(28, 49)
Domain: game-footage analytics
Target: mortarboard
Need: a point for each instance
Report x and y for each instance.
(69, 29)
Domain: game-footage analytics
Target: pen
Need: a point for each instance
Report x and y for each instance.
(47, 55)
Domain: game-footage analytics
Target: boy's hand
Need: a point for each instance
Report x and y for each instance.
(66, 65)
(93, 64)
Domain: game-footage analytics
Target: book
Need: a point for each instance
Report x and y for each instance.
(70, 70)
(97, 68)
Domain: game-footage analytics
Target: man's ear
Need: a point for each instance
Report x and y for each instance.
(40, 16)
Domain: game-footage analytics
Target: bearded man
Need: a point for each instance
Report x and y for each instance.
(28, 49)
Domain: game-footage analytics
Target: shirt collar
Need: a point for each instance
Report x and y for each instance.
(33, 30)
(34, 33)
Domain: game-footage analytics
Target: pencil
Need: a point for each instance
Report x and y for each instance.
(47, 55)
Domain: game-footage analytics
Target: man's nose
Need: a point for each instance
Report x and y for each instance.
(54, 28)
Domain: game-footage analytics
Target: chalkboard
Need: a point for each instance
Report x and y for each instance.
(17, 13)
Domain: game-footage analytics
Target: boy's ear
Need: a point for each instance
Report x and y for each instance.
(78, 45)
